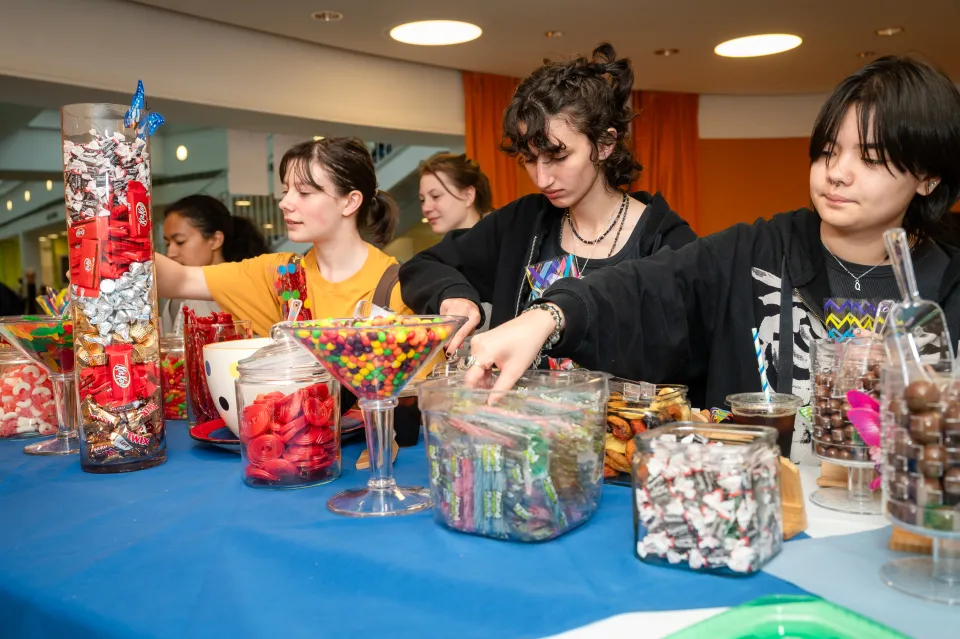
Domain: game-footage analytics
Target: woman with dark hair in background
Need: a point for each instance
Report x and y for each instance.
(199, 230)
(454, 192)
(568, 124)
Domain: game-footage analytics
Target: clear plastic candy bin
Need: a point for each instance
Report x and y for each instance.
(707, 498)
(525, 467)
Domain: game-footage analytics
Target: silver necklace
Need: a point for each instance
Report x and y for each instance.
(856, 278)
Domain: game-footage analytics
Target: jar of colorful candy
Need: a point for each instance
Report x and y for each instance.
(27, 406)
(707, 498)
(529, 468)
(289, 409)
(173, 377)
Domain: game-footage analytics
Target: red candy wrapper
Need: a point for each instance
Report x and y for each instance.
(139, 205)
(120, 363)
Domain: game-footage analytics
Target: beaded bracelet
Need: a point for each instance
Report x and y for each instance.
(555, 335)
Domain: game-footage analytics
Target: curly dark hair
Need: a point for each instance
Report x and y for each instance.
(594, 97)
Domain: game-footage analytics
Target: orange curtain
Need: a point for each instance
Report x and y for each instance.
(485, 98)
(666, 141)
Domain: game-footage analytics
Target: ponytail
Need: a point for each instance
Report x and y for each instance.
(379, 219)
(244, 242)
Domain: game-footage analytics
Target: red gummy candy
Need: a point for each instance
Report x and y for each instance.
(314, 435)
(290, 429)
(256, 420)
(288, 409)
(280, 467)
(317, 411)
(318, 390)
(264, 448)
(253, 472)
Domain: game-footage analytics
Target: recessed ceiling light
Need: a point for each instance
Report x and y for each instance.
(866, 54)
(53, 236)
(26, 196)
(64, 233)
(268, 226)
(423, 219)
(666, 53)
(49, 185)
(433, 33)
(317, 138)
(182, 153)
(43, 238)
(889, 31)
(554, 34)
(327, 16)
(242, 203)
(9, 205)
(758, 45)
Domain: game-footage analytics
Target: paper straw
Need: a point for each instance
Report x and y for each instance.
(761, 365)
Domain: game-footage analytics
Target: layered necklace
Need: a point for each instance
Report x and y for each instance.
(619, 215)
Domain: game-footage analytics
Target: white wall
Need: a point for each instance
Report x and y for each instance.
(191, 60)
(758, 116)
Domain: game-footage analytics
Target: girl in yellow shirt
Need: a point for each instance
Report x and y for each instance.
(330, 198)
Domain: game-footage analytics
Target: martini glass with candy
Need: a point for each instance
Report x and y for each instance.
(48, 341)
(375, 358)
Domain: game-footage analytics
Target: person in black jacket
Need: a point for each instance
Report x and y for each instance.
(567, 122)
(883, 154)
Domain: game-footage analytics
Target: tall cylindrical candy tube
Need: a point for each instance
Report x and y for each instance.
(106, 171)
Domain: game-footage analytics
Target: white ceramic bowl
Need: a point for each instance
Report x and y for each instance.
(220, 361)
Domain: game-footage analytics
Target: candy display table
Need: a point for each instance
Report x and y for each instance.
(186, 550)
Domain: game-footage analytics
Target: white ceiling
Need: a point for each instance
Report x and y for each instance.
(513, 42)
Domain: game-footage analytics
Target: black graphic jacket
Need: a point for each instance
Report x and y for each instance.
(687, 316)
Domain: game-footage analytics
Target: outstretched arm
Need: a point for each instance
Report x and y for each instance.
(176, 281)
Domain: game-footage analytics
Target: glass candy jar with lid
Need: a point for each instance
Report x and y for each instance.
(289, 415)
(173, 377)
(27, 406)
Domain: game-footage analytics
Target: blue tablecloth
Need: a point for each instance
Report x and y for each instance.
(186, 550)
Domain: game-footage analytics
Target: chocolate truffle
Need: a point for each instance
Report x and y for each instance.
(844, 453)
(836, 421)
(932, 459)
(951, 481)
(925, 427)
(922, 395)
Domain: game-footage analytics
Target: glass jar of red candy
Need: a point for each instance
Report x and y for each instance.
(27, 406)
(289, 409)
(173, 377)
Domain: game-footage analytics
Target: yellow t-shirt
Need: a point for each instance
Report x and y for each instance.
(246, 289)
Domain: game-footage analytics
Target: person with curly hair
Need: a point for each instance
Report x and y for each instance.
(567, 124)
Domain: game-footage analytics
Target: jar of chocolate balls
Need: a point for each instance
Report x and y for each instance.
(839, 367)
(921, 447)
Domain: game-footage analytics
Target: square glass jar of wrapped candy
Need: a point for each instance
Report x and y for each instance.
(707, 497)
(527, 466)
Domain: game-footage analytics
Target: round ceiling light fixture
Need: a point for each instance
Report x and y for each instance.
(666, 53)
(758, 45)
(433, 33)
